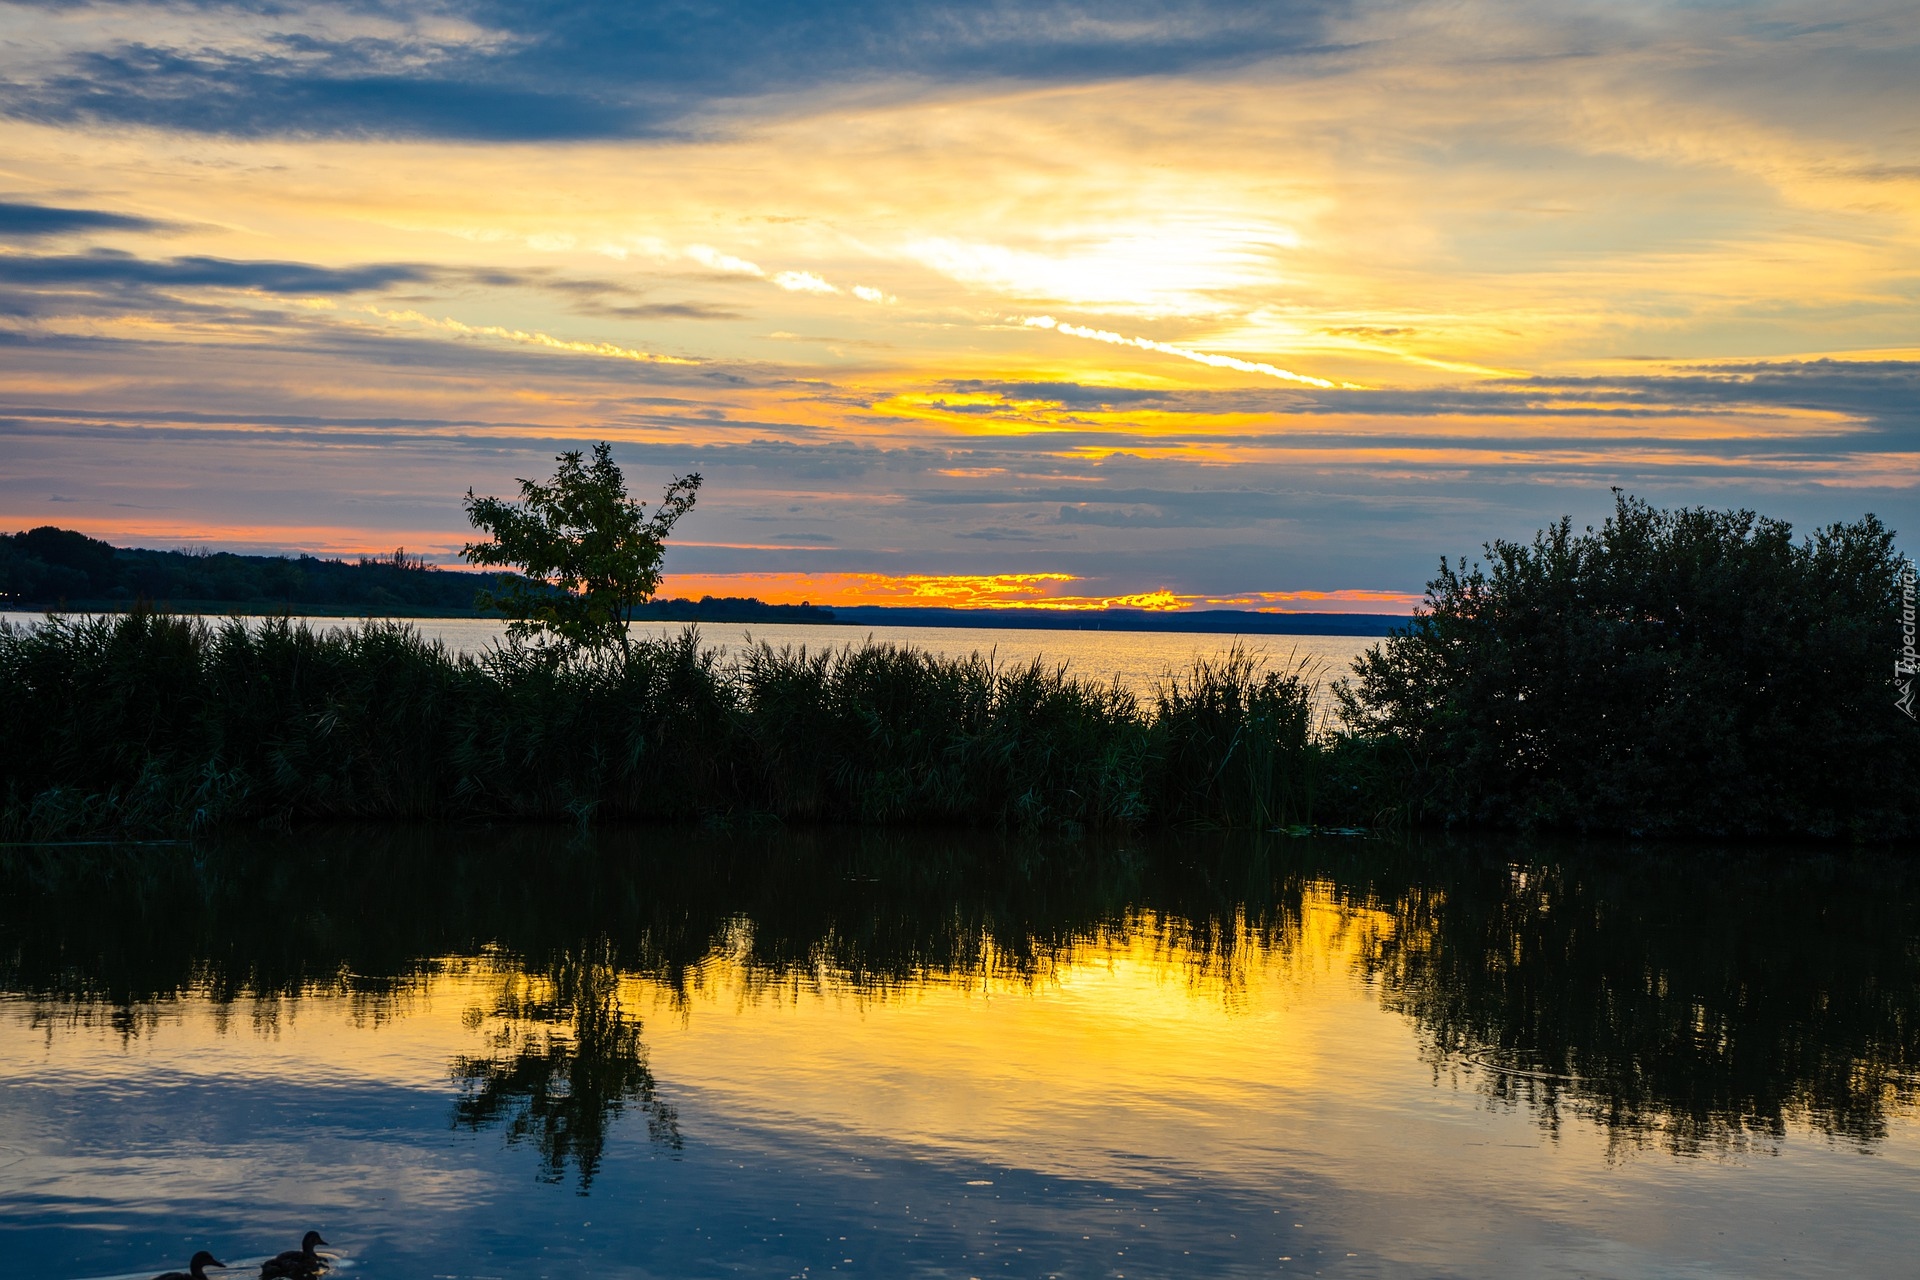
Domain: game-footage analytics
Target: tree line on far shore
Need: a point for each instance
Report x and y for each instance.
(51, 568)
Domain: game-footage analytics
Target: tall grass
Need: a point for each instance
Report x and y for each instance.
(148, 725)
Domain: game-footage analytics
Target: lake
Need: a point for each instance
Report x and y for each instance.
(678, 1053)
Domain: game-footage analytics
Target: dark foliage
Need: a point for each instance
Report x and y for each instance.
(1682, 672)
(1233, 744)
(150, 724)
(583, 553)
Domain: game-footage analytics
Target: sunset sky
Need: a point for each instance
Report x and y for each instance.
(1264, 305)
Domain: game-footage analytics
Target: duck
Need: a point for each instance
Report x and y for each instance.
(196, 1270)
(296, 1262)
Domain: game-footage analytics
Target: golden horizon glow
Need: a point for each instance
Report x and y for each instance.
(1007, 591)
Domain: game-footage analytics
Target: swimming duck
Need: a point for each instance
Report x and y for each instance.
(296, 1262)
(196, 1270)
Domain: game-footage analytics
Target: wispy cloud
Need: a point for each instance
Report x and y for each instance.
(20, 220)
(114, 267)
(525, 337)
(708, 256)
(586, 68)
(803, 282)
(1185, 353)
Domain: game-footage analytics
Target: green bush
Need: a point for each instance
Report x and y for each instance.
(1684, 672)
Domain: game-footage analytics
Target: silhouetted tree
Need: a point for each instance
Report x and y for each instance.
(587, 551)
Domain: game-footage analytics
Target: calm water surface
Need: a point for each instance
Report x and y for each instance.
(658, 1053)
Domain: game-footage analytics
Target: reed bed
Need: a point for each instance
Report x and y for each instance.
(147, 725)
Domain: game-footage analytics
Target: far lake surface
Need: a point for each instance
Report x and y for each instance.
(673, 1053)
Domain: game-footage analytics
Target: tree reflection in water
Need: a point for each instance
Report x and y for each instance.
(1698, 999)
(564, 1063)
(1700, 1004)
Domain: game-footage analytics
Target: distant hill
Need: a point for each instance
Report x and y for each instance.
(57, 568)
(730, 609)
(45, 567)
(48, 568)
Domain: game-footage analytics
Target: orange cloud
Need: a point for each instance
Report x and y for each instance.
(1345, 600)
(1005, 591)
(959, 591)
(947, 591)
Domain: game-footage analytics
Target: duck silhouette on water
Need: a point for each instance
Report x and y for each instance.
(296, 1262)
(196, 1270)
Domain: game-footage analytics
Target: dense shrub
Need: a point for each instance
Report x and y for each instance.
(148, 724)
(1688, 671)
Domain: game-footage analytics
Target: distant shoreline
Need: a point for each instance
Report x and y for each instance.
(66, 571)
(1202, 622)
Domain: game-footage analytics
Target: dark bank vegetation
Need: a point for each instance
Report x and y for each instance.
(1685, 673)
(1698, 1003)
(145, 724)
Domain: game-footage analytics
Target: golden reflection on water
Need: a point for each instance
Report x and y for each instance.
(1336, 1042)
(1047, 1063)
(1142, 1012)
(1215, 1047)
(1131, 1049)
(1138, 1009)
